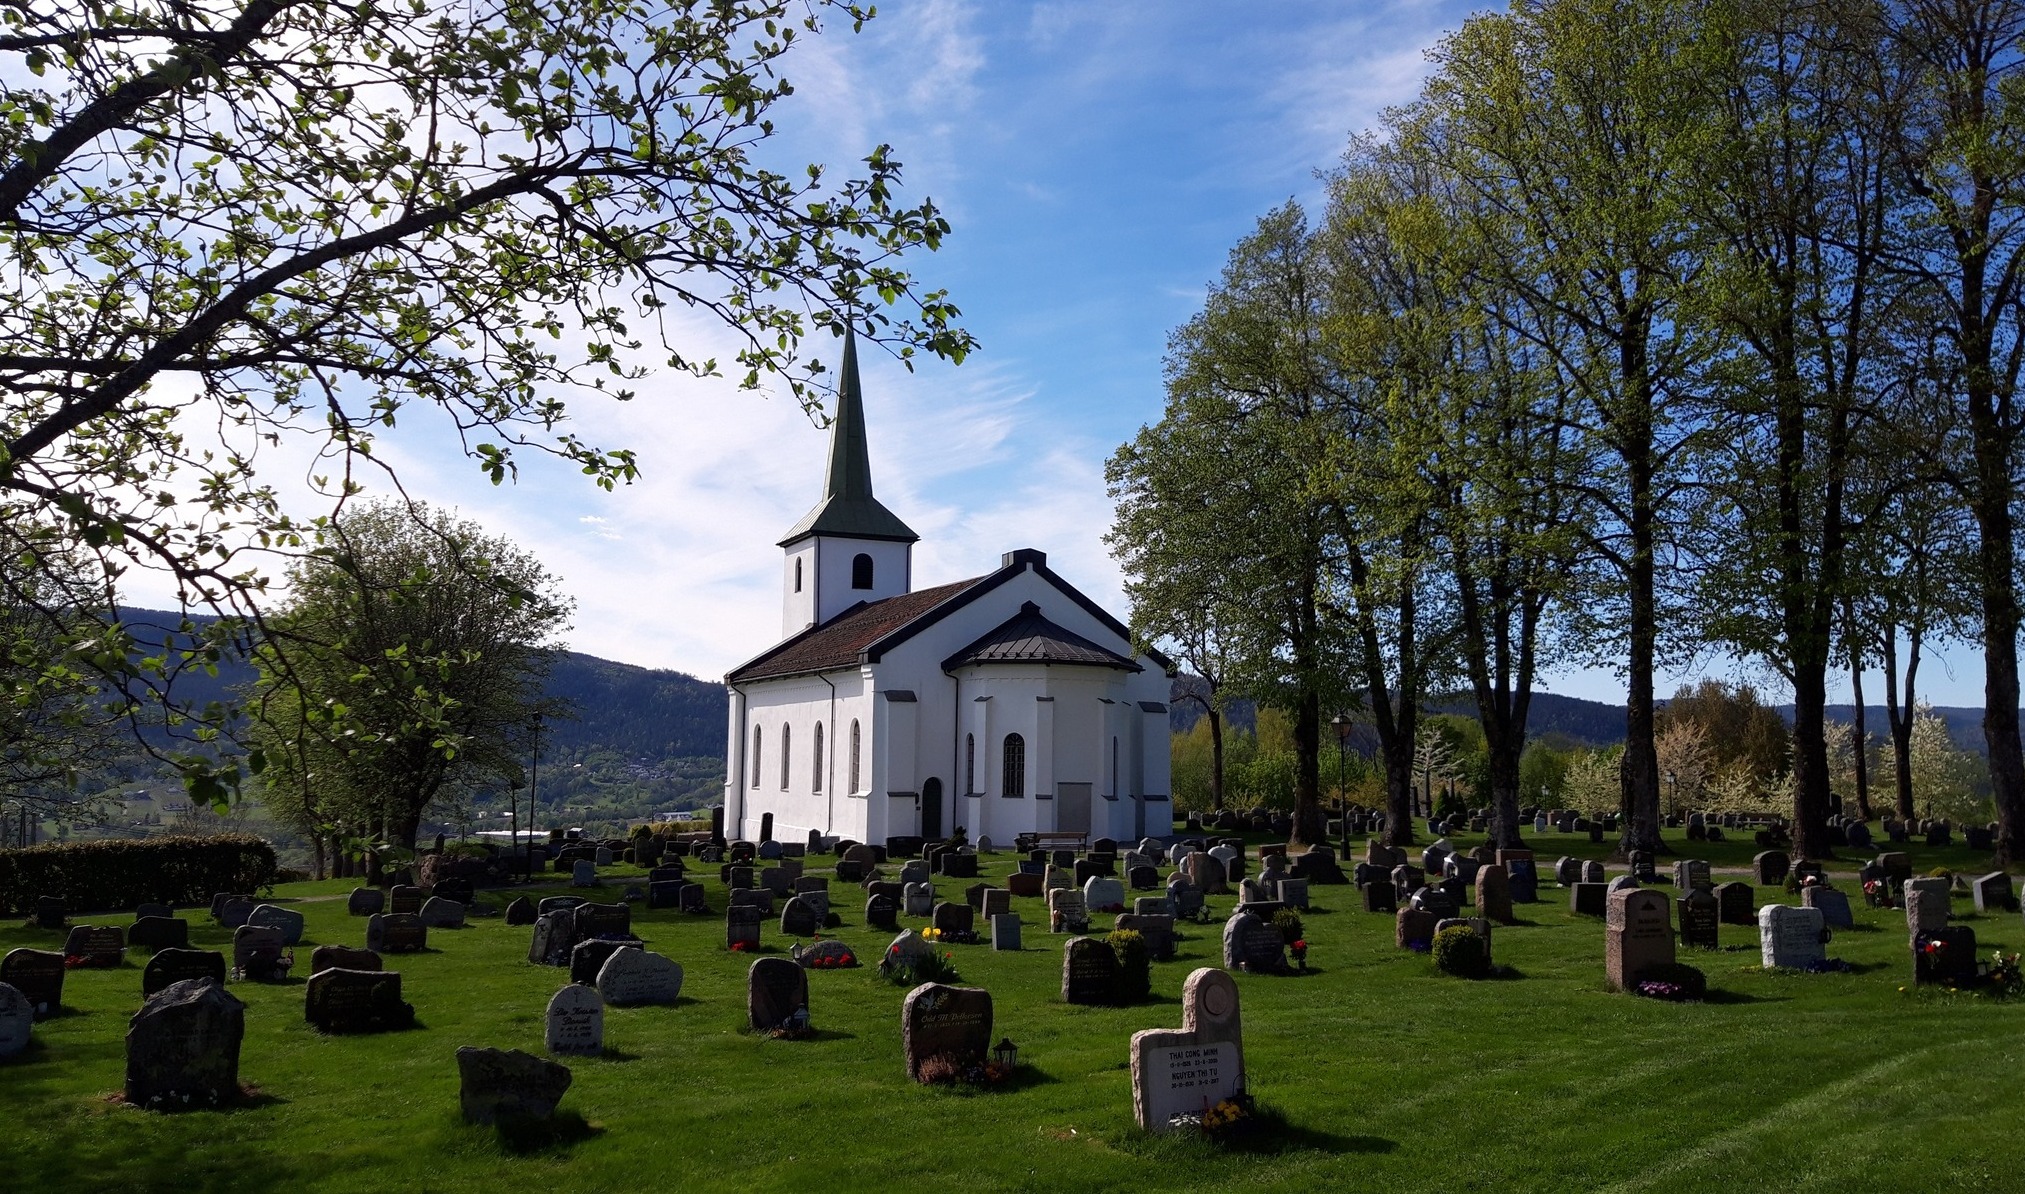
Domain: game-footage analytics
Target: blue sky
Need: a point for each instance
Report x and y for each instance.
(1097, 161)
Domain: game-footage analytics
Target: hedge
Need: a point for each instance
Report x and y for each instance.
(117, 874)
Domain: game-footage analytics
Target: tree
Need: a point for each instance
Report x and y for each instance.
(292, 221)
(1959, 155)
(1738, 728)
(1574, 122)
(406, 667)
(1228, 477)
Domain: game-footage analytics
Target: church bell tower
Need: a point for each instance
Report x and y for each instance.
(849, 548)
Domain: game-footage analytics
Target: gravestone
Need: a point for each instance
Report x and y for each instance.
(953, 917)
(183, 1047)
(1293, 893)
(741, 926)
(17, 1021)
(800, 918)
(1769, 868)
(1156, 928)
(287, 920)
(1437, 902)
(1066, 911)
(666, 893)
(1589, 899)
(754, 898)
(1522, 876)
(1592, 872)
(775, 989)
(103, 947)
(1089, 971)
(691, 899)
(559, 903)
(1992, 893)
(38, 975)
(1494, 897)
(1700, 913)
(440, 913)
(1143, 878)
(364, 901)
(1024, 885)
(1103, 895)
(1254, 945)
(938, 1020)
(1638, 935)
(405, 899)
(396, 933)
(159, 932)
(1790, 937)
(1947, 957)
(1859, 835)
(1833, 905)
(1206, 873)
(1737, 903)
(257, 954)
(344, 957)
(882, 912)
(51, 913)
(590, 956)
(1691, 873)
(173, 965)
(995, 900)
(341, 1000)
(1187, 1072)
(604, 920)
(1643, 868)
(153, 909)
(1455, 866)
(555, 935)
(632, 977)
(233, 912)
(1926, 905)
(576, 1022)
(583, 873)
(1380, 897)
(1005, 932)
(1897, 864)
(920, 899)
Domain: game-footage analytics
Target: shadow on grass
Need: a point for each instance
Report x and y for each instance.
(1732, 998)
(537, 1137)
(620, 1055)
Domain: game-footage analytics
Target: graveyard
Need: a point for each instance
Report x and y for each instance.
(1369, 1067)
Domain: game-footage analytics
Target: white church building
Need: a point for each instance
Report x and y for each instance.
(1005, 704)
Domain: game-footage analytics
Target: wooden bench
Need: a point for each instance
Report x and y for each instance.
(1057, 839)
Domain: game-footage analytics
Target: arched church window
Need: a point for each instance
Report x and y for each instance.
(1015, 766)
(755, 756)
(861, 571)
(787, 756)
(816, 784)
(969, 763)
(854, 754)
(798, 576)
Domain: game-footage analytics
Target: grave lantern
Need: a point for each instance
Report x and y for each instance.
(1006, 1053)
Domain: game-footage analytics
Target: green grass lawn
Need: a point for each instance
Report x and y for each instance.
(1391, 1076)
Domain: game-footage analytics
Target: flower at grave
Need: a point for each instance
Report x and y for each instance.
(75, 961)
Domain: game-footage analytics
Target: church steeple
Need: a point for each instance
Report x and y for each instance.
(848, 507)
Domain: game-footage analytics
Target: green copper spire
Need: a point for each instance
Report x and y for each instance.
(848, 508)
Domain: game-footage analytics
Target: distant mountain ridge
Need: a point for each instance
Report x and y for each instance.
(638, 712)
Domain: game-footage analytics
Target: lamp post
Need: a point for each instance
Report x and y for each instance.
(1341, 724)
(1673, 790)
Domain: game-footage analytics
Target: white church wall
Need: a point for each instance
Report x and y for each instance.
(798, 589)
(798, 704)
(834, 556)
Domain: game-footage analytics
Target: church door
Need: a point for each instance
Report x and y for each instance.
(1072, 807)
(931, 809)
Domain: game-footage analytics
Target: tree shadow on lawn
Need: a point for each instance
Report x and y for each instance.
(1736, 998)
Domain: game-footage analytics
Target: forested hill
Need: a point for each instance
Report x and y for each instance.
(1589, 723)
(635, 712)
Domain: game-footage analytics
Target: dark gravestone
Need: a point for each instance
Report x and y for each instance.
(100, 946)
(463, 891)
(1589, 899)
(959, 866)
(1253, 944)
(507, 1085)
(405, 898)
(397, 933)
(364, 901)
(37, 974)
(775, 989)
(144, 910)
(665, 894)
(741, 926)
(1438, 902)
(171, 966)
(559, 904)
(1945, 956)
(691, 899)
(604, 920)
(1413, 929)
(1143, 878)
(1700, 913)
(1380, 897)
(946, 1022)
(1736, 903)
(590, 956)
(51, 912)
(236, 910)
(183, 1047)
(882, 912)
(849, 871)
(555, 935)
(800, 917)
(1090, 973)
(958, 917)
(520, 912)
(340, 1000)
(160, 932)
(257, 954)
(1768, 869)
(343, 957)
(287, 920)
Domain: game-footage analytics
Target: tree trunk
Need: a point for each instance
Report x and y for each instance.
(1997, 559)
(317, 856)
(1311, 828)
(1860, 746)
(1215, 758)
(1810, 766)
(1504, 769)
(1398, 793)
